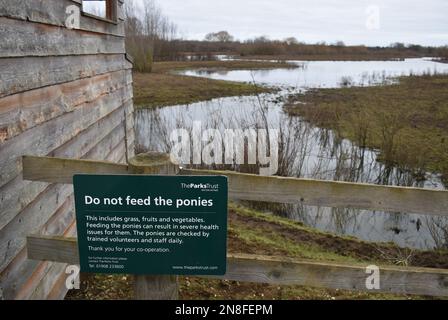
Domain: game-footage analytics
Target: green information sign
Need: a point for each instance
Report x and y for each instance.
(152, 224)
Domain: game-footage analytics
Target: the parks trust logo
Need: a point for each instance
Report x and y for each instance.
(201, 186)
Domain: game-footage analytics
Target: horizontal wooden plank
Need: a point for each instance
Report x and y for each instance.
(30, 220)
(59, 290)
(26, 110)
(22, 274)
(15, 196)
(94, 142)
(27, 73)
(52, 248)
(42, 139)
(283, 271)
(17, 273)
(119, 152)
(323, 193)
(54, 12)
(103, 132)
(62, 170)
(37, 39)
(12, 237)
(40, 284)
(332, 194)
(21, 283)
(46, 284)
(108, 145)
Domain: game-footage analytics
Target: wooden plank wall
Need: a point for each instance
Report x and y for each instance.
(63, 93)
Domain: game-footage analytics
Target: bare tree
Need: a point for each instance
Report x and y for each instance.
(221, 36)
(150, 34)
(291, 41)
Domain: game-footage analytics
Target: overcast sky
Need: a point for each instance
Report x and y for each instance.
(378, 22)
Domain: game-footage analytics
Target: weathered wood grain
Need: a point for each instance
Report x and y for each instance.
(94, 142)
(107, 144)
(18, 272)
(284, 271)
(114, 153)
(332, 194)
(119, 152)
(61, 219)
(24, 111)
(62, 92)
(156, 288)
(106, 130)
(25, 286)
(51, 282)
(34, 39)
(30, 220)
(22, 274)
(27, 73)
(61, 248)
(53, 12)
(15, 196)
(323, 193)
(62, 170)
(49, 135)
(45, 285)
(45, 282)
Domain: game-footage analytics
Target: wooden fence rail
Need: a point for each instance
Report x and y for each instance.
(268, 189)
(282, 271)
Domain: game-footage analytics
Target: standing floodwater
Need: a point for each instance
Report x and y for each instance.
(307, 151)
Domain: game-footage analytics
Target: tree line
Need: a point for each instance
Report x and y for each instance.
(152, 36)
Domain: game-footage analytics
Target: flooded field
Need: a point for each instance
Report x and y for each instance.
(308, 151)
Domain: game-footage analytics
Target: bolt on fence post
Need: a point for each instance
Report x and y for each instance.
(154, 287)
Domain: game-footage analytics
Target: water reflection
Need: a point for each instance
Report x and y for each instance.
(329, 74)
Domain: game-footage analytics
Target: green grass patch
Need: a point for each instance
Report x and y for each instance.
(287, 247)
(162, 87)
(155, 90)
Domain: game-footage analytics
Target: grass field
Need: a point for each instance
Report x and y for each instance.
(407, 122)
(163, 88)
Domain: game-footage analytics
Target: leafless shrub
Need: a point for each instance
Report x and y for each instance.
(150, 34)
(398, 256)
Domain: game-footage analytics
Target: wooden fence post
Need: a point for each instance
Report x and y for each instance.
(154, 287)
